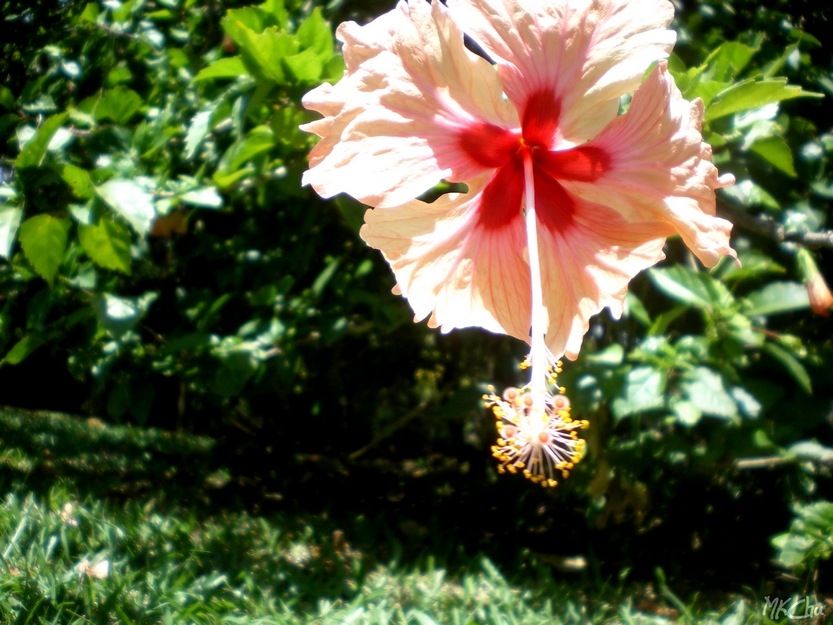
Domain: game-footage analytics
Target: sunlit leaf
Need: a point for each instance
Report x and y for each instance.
(690, 287)
(314, 34)
(198, 130)
(749, 193)
(79, 181)
(229, 67)
(706, 391)
(44, 241)
(752, 94)
(35, 149)
(118, 105)
(305, 66)
(687, 413)
(263, 53)
(643, 390)
(9, 223)
(251, 18)
(119, 315)
(777, 297)
(777, 153)
(131, 201)
(204, 197)
(107, 244)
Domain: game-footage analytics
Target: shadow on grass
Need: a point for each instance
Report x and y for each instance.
(105, 460)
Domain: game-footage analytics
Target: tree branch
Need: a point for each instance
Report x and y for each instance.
(768, 228)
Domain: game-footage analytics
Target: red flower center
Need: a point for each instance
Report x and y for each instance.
(504, 150)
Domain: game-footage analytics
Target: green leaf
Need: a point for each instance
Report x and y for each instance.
(753, 265)
(225, 179)
(665, 319)
(198, 130)
(118, 76)
(611, 356)
(690, 287)
(204, 197)
(636, 309)
(777, 297)
(748, 193)
(6, 97)
(791, 364)
(86, 214)
(687, 413)
(811, 450)
(305, 66)
(324, 277)
(119, 315)
(707, 90)
(730, 59)
(333, 69)
(351, 210)
(314, 33)
(44, 241)
(9, 223)
(23, 348)
(643, 390)
(706, 391)
(79, 181)
(776, 152)
(118, 105)
(232, 376)
(747, 403)
(107, 244)
(33, 152)
(276, 11)
(263, 53)
(823, 189)
(90, 13)
(260, 139)
(131, 201)
(681, 284)
(284, 123)
(230, 67)
(750, 94)
(251, 18)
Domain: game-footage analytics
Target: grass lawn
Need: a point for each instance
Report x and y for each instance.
(109, 524)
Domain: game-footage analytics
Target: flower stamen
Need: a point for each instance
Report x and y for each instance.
(537, 436)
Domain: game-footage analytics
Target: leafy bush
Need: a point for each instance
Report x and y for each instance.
(809, 539)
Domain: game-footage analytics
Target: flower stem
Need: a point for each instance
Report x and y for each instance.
(538, 349)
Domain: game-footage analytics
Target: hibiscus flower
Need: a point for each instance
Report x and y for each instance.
(566, 199)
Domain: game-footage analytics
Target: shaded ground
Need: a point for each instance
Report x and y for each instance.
(448, 509)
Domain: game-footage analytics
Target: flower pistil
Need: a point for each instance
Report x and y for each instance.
(536, 434)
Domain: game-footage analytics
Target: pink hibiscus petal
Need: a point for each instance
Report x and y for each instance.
(588, 266)
(660, 169)
(452, 267)
(583, 54)
(396, 123)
